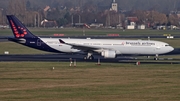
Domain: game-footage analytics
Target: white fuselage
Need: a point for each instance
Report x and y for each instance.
(108, 48)
(139, 47)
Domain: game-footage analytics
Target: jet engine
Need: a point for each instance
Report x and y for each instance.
(108, 54)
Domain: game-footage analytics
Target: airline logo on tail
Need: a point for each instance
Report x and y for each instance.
(19, 32)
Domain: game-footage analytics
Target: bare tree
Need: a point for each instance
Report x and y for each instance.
(173, 19)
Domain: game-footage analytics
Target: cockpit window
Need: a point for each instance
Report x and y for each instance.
(166, 45)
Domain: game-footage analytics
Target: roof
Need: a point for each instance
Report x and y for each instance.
(132, 19)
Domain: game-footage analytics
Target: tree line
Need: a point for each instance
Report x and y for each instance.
(66, 12)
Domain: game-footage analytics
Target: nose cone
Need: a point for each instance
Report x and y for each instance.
(171, 48)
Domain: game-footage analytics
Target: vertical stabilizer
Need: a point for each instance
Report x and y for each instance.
(18, 29)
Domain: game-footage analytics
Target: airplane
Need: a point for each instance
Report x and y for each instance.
(108, 48)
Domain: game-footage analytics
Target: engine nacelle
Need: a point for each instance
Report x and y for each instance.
(108, 54)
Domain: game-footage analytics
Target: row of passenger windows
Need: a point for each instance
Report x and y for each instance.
(99, 44)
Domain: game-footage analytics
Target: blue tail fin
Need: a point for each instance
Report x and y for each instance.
(18, 29)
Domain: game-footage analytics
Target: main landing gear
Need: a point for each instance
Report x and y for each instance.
(156, 57)
(89, 57)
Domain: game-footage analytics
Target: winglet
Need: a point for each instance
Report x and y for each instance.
(61, 41)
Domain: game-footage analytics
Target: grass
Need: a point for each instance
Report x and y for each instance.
(15, 48)
(88, 82)
(75, 31)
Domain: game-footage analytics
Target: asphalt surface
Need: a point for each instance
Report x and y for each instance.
(79, 58)
(56, 57)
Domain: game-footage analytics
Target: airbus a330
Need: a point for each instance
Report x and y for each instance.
(108, 48)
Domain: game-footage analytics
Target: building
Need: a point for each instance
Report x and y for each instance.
(114, 6)
(49, 24)
(141, 27)
(131, 22)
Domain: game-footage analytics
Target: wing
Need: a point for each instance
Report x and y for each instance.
(82, 47)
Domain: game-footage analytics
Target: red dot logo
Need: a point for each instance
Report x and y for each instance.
(22, 35)
(25, 33)
(18, 31)
(17, 35)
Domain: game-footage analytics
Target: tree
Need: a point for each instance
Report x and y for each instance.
(90, 7)
(67, 16)
(62, 21)
(18, 8)
(173, 19)
(68, 4)
(155, 17)
(141, 15)
(28, 5)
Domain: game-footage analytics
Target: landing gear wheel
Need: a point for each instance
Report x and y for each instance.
(89, 58)
(155, 58)
(85, 58)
